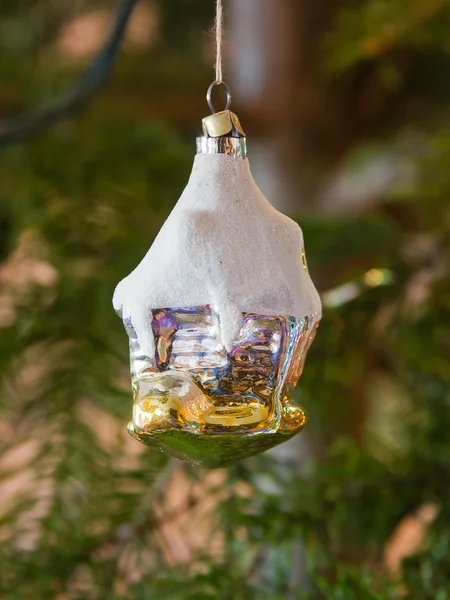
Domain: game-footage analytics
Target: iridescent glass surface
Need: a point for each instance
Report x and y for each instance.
(196, 401)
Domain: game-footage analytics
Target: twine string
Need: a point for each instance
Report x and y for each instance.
(219, 41)
(219, 46)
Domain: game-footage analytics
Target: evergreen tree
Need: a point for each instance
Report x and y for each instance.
(85, 511)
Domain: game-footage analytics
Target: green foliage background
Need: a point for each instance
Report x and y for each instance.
(89, 196)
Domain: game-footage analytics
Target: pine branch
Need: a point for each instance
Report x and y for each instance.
(23, 128)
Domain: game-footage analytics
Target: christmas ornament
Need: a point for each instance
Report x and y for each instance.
(220, 313)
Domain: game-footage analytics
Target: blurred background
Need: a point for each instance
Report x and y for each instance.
(346, 105)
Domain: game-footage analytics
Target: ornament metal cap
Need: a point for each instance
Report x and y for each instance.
(236, 147)
(224, 123)
(222, 134)
(222, 131)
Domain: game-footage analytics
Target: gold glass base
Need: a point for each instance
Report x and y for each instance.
(215, 451)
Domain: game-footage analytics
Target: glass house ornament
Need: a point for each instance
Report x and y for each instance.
(220, 314)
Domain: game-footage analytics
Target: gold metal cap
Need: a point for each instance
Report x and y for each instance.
(222, 134)
(221, 124)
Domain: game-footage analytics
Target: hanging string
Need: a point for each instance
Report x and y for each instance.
(219, 43)
(219, 36)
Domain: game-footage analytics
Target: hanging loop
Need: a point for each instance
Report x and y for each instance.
(209, 92)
